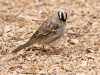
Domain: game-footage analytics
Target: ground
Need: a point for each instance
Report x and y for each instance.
(78, 52)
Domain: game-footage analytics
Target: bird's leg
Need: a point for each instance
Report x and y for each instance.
(43, 48)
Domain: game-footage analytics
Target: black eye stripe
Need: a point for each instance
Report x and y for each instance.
(66, 15)
(62, 16)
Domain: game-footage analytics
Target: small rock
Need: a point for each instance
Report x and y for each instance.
(42, 72)
(73, 41)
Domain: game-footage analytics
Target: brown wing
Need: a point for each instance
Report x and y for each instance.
(46, 29)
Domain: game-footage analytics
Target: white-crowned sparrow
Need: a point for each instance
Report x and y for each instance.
(49, 32)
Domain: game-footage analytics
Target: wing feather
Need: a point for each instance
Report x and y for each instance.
(46, 29)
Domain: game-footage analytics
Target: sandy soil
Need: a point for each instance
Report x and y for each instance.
(78, 52)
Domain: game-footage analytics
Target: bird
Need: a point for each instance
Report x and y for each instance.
(49, 32)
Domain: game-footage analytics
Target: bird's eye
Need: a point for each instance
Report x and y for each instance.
(62, 16)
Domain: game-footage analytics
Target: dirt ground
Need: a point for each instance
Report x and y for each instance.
(78, 52)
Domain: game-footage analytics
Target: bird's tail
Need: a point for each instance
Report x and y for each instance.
(23, 46)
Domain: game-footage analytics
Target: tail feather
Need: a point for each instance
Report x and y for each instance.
(22, 46)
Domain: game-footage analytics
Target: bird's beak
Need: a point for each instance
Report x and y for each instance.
(64, 22)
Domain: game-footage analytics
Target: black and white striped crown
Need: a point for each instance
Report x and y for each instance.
(62, 16)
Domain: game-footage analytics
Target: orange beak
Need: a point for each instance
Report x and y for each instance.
(64, 22)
